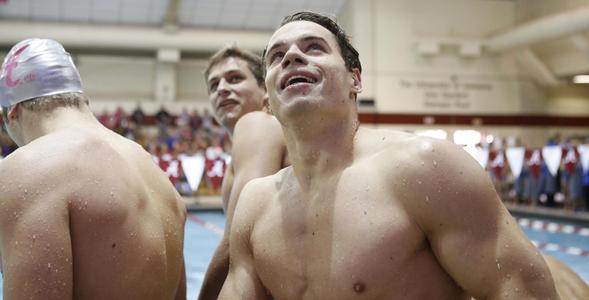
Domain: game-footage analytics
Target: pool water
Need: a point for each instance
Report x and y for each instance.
(565, 241)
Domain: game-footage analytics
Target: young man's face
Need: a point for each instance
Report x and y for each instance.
(233, 91)
(304, 66)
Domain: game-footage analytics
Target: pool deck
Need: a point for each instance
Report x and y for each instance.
(545, 212)
(195, 203)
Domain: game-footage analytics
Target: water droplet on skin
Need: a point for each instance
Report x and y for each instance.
(426, 198)
(435, 163)
(418, 181)
(48, 265)
(422, 163)
(359, 287)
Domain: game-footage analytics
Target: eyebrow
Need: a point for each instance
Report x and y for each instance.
(303, 39)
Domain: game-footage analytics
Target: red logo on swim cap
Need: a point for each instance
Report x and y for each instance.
(11, 65)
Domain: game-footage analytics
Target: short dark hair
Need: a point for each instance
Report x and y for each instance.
(48, 103)
(347, 51)
(254, 62)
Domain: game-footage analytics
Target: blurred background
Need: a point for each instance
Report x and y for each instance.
(505, 79)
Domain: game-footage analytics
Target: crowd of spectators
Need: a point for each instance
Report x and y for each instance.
(174, 139)
(170, 139)
(548, 176)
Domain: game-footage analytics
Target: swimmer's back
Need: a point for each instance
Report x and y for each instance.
(125, 219)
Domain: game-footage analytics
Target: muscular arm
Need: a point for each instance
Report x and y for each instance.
(181, 291)
(258, 151)
(34, 238)
(242, 281)
(469, 230)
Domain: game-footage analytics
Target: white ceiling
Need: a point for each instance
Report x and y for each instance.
(236, 14)
(559, 58)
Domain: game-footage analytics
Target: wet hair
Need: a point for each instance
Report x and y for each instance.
(254, 62)
(347, 51)
(48, 103)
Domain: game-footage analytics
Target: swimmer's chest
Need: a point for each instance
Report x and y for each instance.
(349, 240)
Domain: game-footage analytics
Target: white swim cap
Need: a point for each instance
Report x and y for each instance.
(35, 68)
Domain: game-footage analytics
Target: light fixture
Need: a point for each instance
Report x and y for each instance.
(581, 79)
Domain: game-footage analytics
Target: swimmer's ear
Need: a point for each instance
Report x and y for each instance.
(13, 111)
(266, 103)
(356, 81)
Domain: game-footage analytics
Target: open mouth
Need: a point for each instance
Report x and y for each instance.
(297, 78)
(226, 102)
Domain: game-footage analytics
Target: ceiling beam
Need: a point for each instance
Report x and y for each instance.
(543, 29)
(540, 71)
(582, 44)
(133, 38)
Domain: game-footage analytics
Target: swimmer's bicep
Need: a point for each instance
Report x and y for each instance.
(474, 237)
(458, 210)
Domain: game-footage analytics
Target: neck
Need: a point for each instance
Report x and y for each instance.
(230, 131)
(38, 124)
(321, 148)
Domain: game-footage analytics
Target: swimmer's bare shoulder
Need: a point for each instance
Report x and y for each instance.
(33, 213)
(449, 196)
(258, 150)
(255, 200)
(74, 194)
